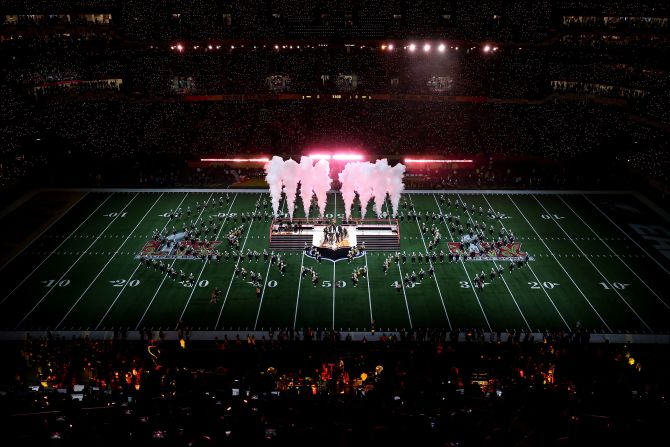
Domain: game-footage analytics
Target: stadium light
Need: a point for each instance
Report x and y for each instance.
(179, 47)
(426, 48)
(319, 156)
(356, 157)
(209, 47)
(425, 160)
(442, 48)
(412, 47)
(391, 47)
(487, 48)
(383, 47)
(235, 160)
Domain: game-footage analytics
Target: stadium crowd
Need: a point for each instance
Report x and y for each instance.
(443, 388)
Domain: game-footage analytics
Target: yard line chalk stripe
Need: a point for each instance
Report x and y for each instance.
(105, 266)
(232, 277)
(627, 235)
(615, 254)
(133, 274)
(472, 286)
(44, 231)
(297, 298)
(55, 249)
(265, 282)
(367, 277)
(75, 262)
(501, 276)
(539, 238)
(594, 266)
(402, 280)
(534, 275)
(444, 306)
(166, 275)
(204, 264)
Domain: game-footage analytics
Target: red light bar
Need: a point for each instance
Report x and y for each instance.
(420, 160)
(346, 157)
(235, 160)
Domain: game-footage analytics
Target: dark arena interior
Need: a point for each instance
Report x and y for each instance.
(334, 222)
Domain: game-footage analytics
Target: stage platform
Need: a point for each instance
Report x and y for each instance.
(374, 234)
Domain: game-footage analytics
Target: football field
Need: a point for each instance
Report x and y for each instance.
(598, 260)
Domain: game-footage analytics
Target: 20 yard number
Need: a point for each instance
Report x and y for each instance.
(540, 285)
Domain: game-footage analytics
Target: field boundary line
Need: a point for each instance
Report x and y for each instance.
(615, 254)
(501, 276)
(232, 276)
(20, 202)
(83, 253)
(107, 263)
(535, 275)
(593, 265)
(56, 249)
(627, 235)
(166, 275)
(467, 274)
(204, 264)
(559, 263)
(132, 274)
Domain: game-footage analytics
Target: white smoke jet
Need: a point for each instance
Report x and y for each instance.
(273, 176)
(290, 178)
(322, 184)
(380, 182)
(306, 173)
(364, 187)
(396, 185)
(348, 186)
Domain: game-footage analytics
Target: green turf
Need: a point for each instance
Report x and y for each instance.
(65, 279)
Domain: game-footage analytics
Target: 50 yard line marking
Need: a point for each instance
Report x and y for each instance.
(501, 276)
(614, 253)
(75, 262)
(472, 287)
(232, 276)
(108, 262)
(166, 275)
(333, 284)
(56, 249)
(539, 238)
(594, 266)
(204, 264)
(132, 274)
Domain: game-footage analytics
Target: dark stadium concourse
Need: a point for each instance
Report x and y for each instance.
(334, 222)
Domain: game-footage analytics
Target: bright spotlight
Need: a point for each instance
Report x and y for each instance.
(383, 47)
(391, 47)
(276, 47)
(412, 47)
(179, 47)
(442, 48)
(487, 48)
(426, 47)
(209, 47)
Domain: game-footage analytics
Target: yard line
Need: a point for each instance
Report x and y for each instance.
(402, 280)
(367, 277)
(535, 276)
(132, 274)
(627, 235)
(232, 277)
(166, 275)
(55, 249)
(75, 262)
(204, 264)
(265, 282)
(539, 238)
(594, 266)
(110, 260)
(614, 253)
(472, 286)
(434, 274)
(44, 231)
(501, 276)
(297, 298)
(333, 284)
